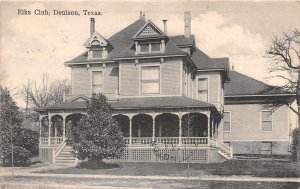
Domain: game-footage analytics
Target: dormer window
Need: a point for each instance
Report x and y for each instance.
(150, 47)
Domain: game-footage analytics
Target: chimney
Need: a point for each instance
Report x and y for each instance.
(187, 24)
(141, 15)
(165, 27)
(92, 26)
(144, 16)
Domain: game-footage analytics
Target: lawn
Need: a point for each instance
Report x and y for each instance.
(258, 168)
(42, 182)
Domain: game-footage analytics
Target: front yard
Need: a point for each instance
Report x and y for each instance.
(257, 168)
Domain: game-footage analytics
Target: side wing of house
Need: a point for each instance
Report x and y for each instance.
(251, 125)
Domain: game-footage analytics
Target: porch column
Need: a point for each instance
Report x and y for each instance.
(130, 130)
(208, 128)
(153, 127)
(40, 129)
(213, 128)
(49, 129)
(64, 126)
(180, 129)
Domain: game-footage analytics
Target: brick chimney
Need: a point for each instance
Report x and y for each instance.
(165, 27)
(187, 24)
(92, 26)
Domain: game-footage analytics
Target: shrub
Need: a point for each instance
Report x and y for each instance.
(20, 155)
(98, 133)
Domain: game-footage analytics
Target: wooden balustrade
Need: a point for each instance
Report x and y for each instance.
(191, 141)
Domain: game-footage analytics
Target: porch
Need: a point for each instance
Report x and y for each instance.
(140, 141)
(150, 127)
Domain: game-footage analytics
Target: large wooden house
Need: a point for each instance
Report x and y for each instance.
(167, 96)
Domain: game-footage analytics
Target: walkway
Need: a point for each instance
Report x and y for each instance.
(28, 172)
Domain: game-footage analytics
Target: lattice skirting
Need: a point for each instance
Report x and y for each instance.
(164, 155)
(45, 155)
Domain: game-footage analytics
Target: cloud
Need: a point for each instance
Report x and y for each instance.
(218, 38)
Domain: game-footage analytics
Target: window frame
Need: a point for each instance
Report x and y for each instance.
(207, 93)
(261, 121)
(92, 85)
(229, 122)
(270, 150)
(149, 47)
(150, 81)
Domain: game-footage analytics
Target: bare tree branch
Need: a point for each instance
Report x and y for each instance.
(48, 92)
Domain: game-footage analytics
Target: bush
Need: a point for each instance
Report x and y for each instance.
(29, 140)
(21, 156)
(295, 143)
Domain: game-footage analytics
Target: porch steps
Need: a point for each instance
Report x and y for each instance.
(65, 157)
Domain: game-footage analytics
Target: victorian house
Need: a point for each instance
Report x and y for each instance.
(168, 98)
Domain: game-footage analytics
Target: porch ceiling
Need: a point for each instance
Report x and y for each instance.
(137, 103)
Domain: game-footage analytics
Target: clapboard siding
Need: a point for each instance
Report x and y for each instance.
(170, 78)
(81, 81)
(110, 79)
(129, 76)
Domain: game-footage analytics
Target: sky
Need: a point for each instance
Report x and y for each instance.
(35, 44)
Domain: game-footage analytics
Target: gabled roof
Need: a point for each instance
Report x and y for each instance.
(98, 37)
(149, 30)
(119, 42)
(244, 85)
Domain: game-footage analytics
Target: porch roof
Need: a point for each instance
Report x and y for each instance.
(137, 103)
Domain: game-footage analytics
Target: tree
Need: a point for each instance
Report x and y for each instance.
(3, 75)
(48, 92)
(285, 54)
(23, 141)
(98, 133)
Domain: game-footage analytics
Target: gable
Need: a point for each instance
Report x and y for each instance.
(149, 30)
(96, 39)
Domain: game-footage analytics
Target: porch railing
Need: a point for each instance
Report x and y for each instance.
(227, 150)
(194, 140)
(54, 141)
(44, 141)
(167, 140)
(141, 140)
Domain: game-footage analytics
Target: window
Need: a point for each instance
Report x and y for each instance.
(97, 53)
(227, 124)
(96, 82)
(150, 80)
(144, 47)
(266, 148)
(150, 47)
(266, 120)
(203, 89)
(155, 47)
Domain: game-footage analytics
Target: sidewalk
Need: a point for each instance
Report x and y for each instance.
(28, 172)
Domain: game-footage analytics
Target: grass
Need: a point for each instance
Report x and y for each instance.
(258, 168)
(143, 183)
